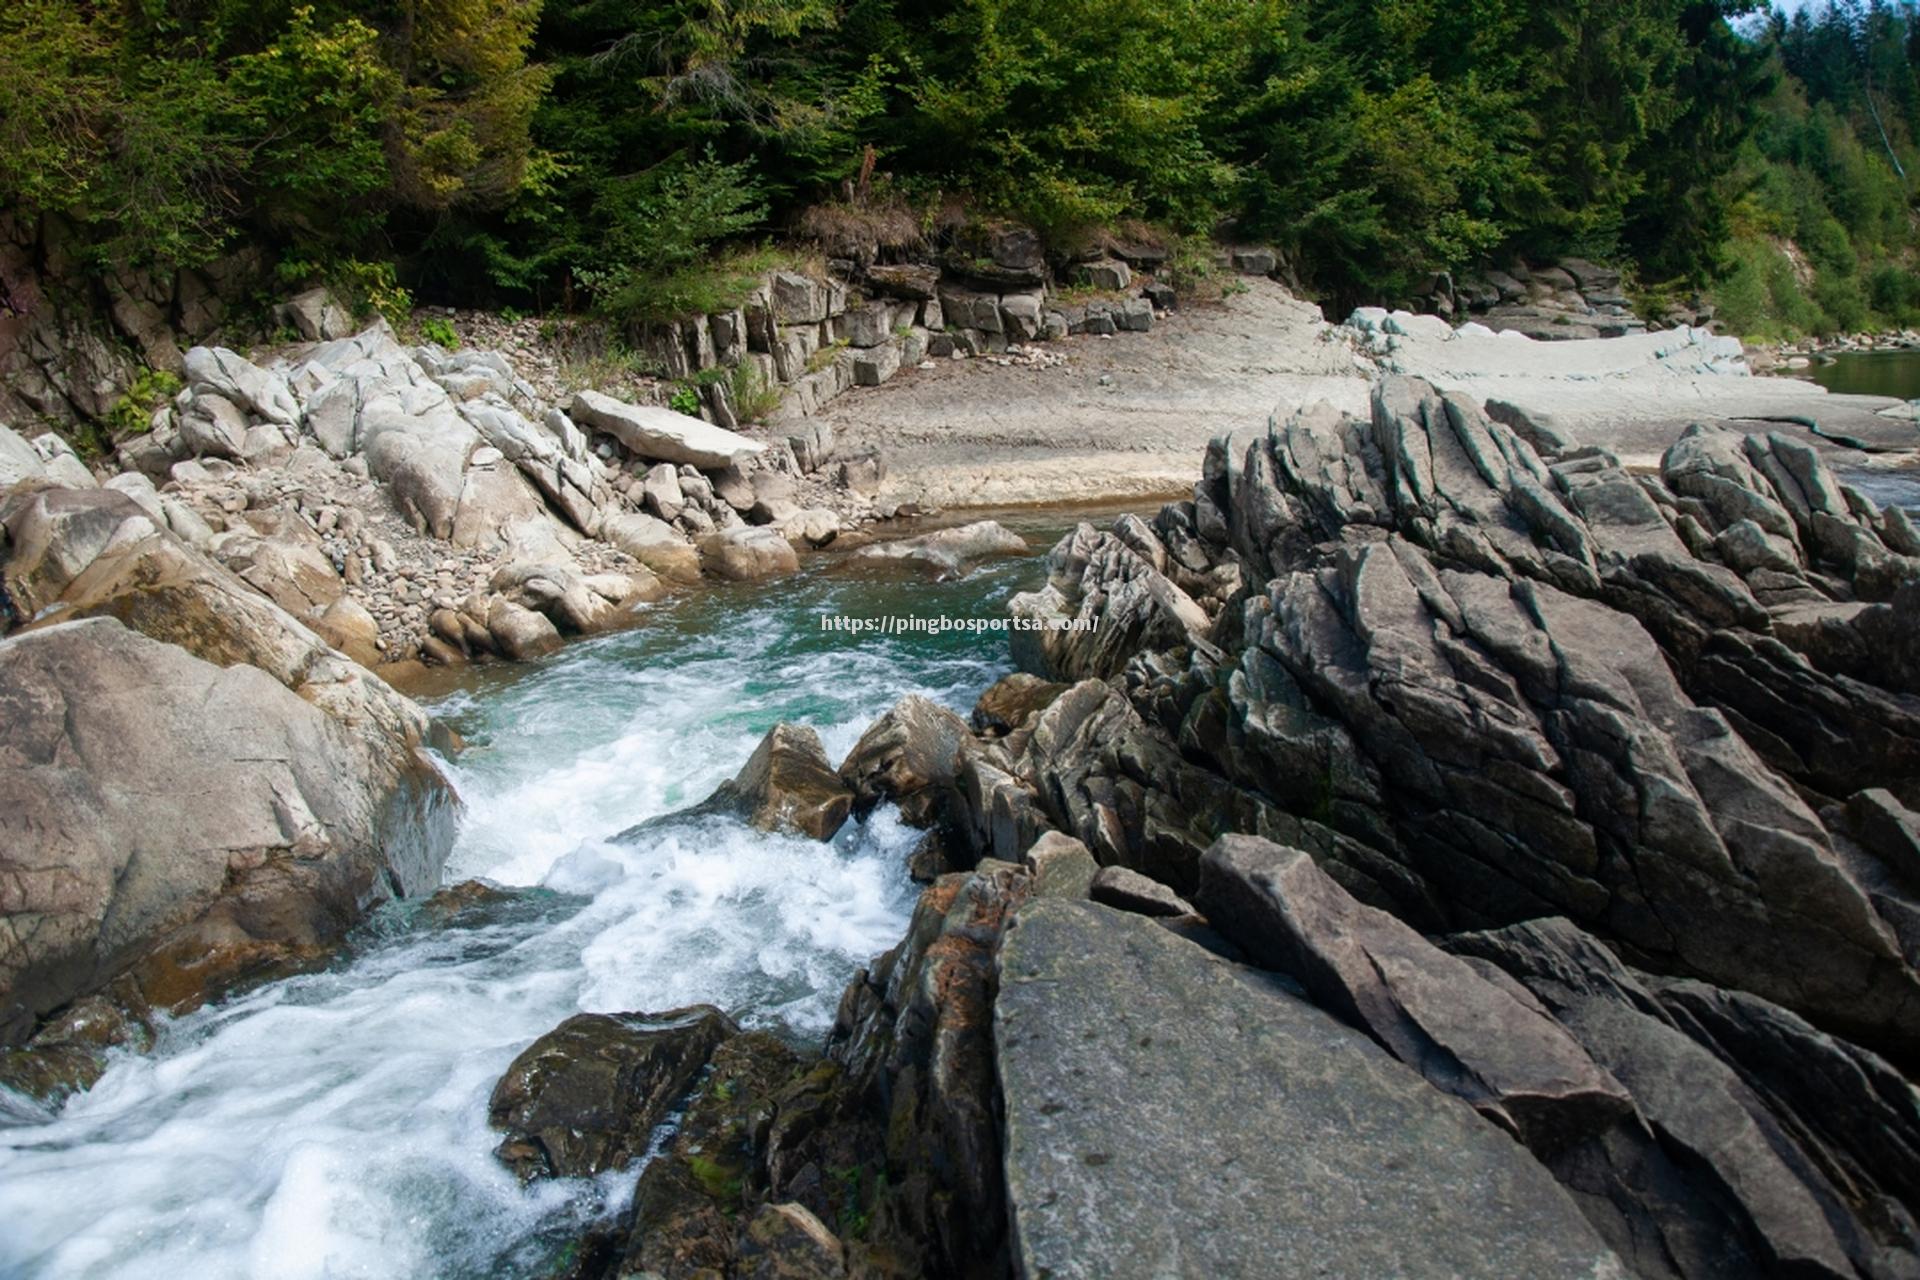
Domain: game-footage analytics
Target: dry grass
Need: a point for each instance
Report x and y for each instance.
(862, 230)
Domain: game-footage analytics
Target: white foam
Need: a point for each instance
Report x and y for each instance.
(335, 1124)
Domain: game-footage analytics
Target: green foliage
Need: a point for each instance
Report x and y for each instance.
(439, 331)
(166, 129)
(748, 391)
(132, 413)
(720, 1181)
(685, 399)
(1073, 113)
(655, 258)
(628, 155)
(1823, 177)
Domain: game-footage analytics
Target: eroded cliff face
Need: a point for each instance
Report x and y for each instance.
(1546, 824)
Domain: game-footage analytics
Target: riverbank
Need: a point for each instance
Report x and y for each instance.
(1123, 415)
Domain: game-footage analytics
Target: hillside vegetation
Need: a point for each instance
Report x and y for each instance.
(631, 155)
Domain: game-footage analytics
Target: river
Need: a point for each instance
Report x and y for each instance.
(1871, 373)
(334, 1124)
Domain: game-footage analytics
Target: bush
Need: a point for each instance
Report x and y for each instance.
(752, 397)
(1895, 294)
(440, 331)
(655, 259)
(132, 413)
(1842, 300)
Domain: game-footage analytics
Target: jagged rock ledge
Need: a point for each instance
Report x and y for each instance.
(1447, 857)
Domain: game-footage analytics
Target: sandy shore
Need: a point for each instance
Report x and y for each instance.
(1129, 415)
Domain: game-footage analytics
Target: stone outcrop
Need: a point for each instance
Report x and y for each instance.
(1404, 883)
(787, 784)
(1493, 686)
(587, 1096)
(1758, 1145)
(186, 824)
(1470, 1037)
(1165, 1115)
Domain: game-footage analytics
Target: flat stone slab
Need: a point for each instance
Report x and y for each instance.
(649, 431)
(1167, 1114)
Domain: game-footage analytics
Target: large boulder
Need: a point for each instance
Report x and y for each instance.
(1167, 1115)
(96, 553)
(188, 824)
(747, 554)
(654, 543)
(662, 435)
(909, 756)
(587, 1096)
(234, 378)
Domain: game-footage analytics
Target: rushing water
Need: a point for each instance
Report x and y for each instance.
(334, 1124)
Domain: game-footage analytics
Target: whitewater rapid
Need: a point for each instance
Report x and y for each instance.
(334, 1124)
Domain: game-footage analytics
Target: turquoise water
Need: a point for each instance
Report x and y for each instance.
(334, 1124)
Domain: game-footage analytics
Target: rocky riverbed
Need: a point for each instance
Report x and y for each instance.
(1474, 833)
(1451, 854)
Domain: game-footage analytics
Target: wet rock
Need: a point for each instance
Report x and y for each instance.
(909, 756)
(1011, 700)
(690, 1201)
(227, 828)
(1165, 1114)
(786, 785)
(587, 1096)
(786, 1242)
(69, 1053)
(914, 1035)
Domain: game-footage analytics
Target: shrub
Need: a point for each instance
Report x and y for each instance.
(132, 413)
(654, 263)
(752, 397)
(440, 331)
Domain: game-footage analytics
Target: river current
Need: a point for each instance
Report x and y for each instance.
(334, 1124)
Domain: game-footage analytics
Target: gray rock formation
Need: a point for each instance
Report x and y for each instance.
(1166, 1115)
(948, 550)
(662, 435)
(188, 824)
(786, 785)
(1470, 1037)
(1492, 688)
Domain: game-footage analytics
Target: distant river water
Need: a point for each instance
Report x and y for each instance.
(1876, 373)
(334, 1124)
